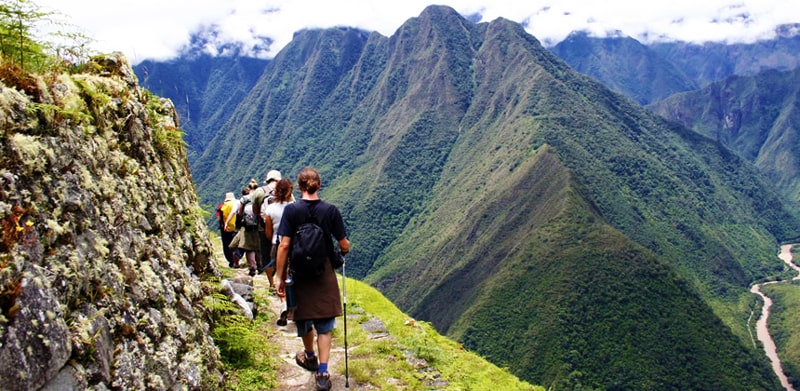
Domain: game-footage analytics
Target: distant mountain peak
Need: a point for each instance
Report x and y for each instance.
(439, 9)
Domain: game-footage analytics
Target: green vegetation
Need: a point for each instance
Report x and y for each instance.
(20, 48)
(167, 137)
(546, 223)
(245, 349)
(375, 361)
(249, 349)
(760, 120)
(17, 43)
(593, 296)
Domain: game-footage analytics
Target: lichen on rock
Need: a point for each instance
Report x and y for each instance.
(102, 238)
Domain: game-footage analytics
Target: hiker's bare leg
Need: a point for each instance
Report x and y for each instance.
(324, 346)
(308, 341)
(270, 271)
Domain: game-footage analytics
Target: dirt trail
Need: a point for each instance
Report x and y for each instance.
(290, 375)
(762, 331)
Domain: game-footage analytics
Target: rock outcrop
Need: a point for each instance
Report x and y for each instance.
(103, 245)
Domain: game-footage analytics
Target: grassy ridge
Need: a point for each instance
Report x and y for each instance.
(463, 370)
(578, 292)
(685, 197)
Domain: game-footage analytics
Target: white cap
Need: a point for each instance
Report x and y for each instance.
(273, 175)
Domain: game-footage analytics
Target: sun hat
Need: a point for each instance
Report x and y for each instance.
(229, 196)
(272, 175)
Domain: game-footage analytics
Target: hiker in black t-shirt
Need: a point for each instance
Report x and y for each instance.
(318, 300)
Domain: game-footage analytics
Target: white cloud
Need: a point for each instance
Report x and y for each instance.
(157, 29)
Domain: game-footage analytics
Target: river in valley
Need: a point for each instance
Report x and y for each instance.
(761, 325)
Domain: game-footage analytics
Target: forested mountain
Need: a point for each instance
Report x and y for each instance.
(204, 89)
(649, 73)
(756, 116)
(625, 65)
(749, 105)
(524, 209)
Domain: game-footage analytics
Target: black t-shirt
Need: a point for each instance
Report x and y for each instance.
(327, 215)
(316, 298)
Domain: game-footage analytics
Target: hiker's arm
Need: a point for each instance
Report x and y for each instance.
(280, 265)
(268, 227)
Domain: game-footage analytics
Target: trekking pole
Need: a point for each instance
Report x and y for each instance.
(344, 293)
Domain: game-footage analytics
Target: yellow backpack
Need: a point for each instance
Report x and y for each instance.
(226, 209)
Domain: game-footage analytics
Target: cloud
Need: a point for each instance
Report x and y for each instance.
(158, 29)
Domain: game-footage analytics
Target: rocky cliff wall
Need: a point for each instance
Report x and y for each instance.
(102, 241)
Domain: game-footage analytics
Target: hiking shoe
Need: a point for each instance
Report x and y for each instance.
(309, 363)
(323, 381)
(284, 313)
(252, 272)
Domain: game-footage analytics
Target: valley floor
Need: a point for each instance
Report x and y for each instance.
(762, 329)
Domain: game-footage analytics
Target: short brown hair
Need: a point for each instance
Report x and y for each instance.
(308, 180)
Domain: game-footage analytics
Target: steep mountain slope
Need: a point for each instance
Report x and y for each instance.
(590, 297)
(486, 184)
(625, 65)
(204, 89)
(758, 117)
(290, 118)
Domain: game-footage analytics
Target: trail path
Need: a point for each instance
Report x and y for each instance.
(290, 375)
(762, 331)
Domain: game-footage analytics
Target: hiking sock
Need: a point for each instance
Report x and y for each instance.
(310, 354)
(323, 367)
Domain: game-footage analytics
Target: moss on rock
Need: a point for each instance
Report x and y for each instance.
(99, 212)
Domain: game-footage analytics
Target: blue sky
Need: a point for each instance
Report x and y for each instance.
(158, 29)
